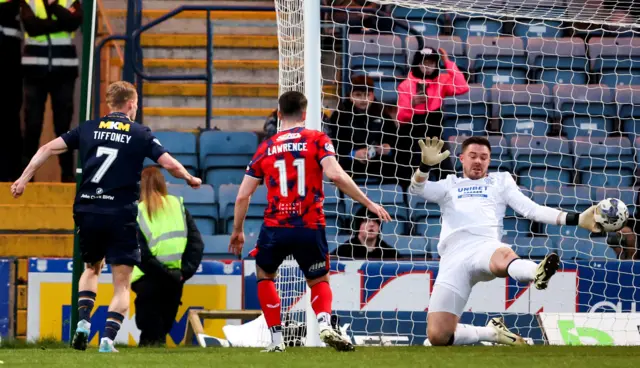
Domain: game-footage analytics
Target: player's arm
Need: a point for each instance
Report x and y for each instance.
(54, 147)
(343, 181)
(547, 215)
(431, 156)
(176, 169)
(247, 188)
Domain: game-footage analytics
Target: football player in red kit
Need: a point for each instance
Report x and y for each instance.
(292, 163)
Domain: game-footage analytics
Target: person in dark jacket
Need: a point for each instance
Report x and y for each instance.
(366, 242)
(365, 137)
(171, 250)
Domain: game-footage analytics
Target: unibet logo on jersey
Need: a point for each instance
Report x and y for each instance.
(114, 125)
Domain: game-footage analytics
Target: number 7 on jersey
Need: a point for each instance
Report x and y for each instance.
(111, 154)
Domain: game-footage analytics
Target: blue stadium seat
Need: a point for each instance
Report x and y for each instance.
(605, 162)
(586, 110)
(497, 60)
(514, 225)
(429, 228)
(182, 146)
(382, 54)
(217, 247)
(250, 242)
(501, 159)
(628, 101)
(558, 60)
(333, 209)
(385, 88)
(426, 22)
(201, 204)
(419, 209)
(224, 156)
(584, 248)
(523, 109)
(530, 28)
(628, 195)
(466, 27)
(453, 45)
(392, 198)
(571, 198)
(466, 114)
(530, 247)
(617, 59)
(408, 246)
(432, 248)
(541, 161)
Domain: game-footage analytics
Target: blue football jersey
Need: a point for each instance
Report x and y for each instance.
(112, 150)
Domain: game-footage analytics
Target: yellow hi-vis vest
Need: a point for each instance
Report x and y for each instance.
(166, 233)
(67, 56)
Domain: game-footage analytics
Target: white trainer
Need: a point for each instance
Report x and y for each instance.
(332, 338)
(275, 348)
(504, 336)
(107, 346)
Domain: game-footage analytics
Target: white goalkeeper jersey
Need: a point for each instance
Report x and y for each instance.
(478, 207)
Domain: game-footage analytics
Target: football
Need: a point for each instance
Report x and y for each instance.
(611, 214)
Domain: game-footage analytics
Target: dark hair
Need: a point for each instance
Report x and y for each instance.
(361, 83)
(363, 215)
(419, 57)
(476, 140)
(292, 104)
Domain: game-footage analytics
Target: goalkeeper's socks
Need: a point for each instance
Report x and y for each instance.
(269, 302)
(86, 300)
(467, 334)
(114, 321)
(276, 334)
(321, 299)
(522, 270)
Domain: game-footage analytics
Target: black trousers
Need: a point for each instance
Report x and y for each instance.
(61, 88)
(10, 106)
(157, 303)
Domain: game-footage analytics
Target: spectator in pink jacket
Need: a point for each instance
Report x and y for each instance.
(420, 99)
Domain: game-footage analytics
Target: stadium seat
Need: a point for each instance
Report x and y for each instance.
(466, 114)
(426, 22)
(570, 198)
(201, 204)
(432, 248)
(514, 225)
(616, 59)
(501, 159)
(558, 60)
(605, 162)
(429, 228)
(419, 209)
(333, 208)
(217, 247)
(541, 161)
(628, 195)
(570, 241)
(497, 60)
(224, 156)
(530, 247)
(628, 102)
(453, 45)
(408, 246)
(523, 109)
(586, 110)
(466, 27)
(392, 198)
(385, 88)
(374, 53)
(182, 146)
(530, 28)
(584, 248)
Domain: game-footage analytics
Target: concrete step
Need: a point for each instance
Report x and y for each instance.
(224, 102)
(219, 90)
(36, 217)
(39, 194)
(36, 245)
(219, 53)
(227, 123)
(171, 4)
(219, 41)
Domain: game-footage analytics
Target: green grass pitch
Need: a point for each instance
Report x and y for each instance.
(418, 357)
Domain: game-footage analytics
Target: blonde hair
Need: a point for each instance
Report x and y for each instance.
(153, 189)
(118, 93)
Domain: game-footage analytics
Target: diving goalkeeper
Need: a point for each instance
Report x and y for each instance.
(473, 207)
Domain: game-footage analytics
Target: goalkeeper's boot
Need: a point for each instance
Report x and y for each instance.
(81, 336)
(332, 338)
(503, 335)
(107, 346)
(275, 348)
(547, 268)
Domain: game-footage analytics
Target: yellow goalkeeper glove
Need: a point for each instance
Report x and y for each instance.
(587, 220)
(431, 154)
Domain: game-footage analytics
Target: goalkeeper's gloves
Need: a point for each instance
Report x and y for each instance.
(585, 220)
(431, 154)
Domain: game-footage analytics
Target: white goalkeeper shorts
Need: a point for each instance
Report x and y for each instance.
(465, 263)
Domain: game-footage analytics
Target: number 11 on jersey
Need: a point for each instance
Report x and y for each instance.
(281, 165)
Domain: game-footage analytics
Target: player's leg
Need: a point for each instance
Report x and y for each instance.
(311, 251)
(504, 262)
(270, 253)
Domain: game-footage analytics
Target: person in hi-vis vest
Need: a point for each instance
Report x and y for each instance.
(171, 251)
(50, 67)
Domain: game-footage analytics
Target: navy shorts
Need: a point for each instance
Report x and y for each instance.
(308, 246)
(107, 236)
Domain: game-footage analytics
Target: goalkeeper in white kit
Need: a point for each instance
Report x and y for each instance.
(473, 208)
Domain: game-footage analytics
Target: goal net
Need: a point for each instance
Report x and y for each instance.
(554, 86)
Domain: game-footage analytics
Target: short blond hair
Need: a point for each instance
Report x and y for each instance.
(118, 93)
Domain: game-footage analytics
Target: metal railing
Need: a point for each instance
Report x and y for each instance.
(133, 63)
